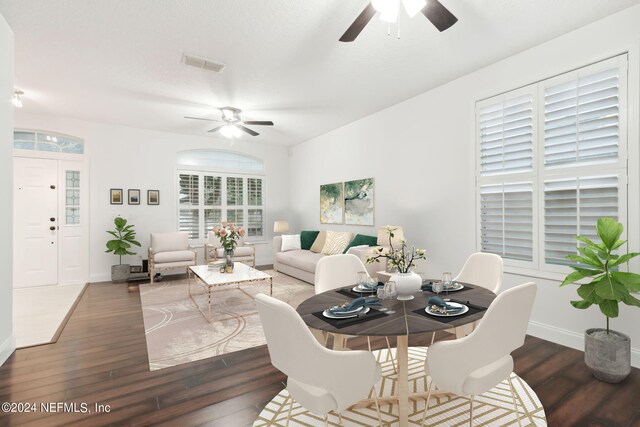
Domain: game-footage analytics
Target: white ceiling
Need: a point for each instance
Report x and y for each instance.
(119, 61)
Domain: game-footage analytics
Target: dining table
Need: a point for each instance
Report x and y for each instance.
(399, 320)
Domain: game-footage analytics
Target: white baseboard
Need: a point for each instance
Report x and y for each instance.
(570, 338)
(264, 261)
(7, 348)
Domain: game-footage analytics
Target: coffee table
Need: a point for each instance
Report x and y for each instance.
(213, 278)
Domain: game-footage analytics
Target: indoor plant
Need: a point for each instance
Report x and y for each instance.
(407, 282)
(125, 236)
(607, 352)
(229, 235)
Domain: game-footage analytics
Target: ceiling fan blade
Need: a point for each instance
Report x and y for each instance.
(201, 118)
(247, 130)
(216, 129)
(439, 15)
(358, 25)
(258, 122)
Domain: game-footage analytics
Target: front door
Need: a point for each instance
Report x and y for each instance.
(36, 222)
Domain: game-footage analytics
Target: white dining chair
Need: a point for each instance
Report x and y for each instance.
(337, 271)
(472, 365)
(480, 269)
(319, 379)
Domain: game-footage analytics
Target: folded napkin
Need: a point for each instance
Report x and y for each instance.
(427, 287)
(353, 305)
(439, 302)
(373, 286)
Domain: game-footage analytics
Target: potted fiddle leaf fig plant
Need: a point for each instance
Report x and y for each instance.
(124, 237)
(607, 352)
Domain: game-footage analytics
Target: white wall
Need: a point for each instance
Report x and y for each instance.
(124, 157)
(421, 153)
(7, 341)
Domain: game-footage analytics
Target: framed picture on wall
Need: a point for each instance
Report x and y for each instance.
(153, 197)
(358, 202)
(331, 203)
(116, 196)
(134, 196)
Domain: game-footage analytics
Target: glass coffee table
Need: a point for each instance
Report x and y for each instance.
(213, 278)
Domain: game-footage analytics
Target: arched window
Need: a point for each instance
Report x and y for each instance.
(215, 186)
(47, 141)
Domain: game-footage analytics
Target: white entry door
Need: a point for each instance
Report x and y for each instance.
(35, 222)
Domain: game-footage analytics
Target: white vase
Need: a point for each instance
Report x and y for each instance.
(407, 284)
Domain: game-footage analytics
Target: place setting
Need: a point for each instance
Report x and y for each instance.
(447, 284)
(446, 310)
(358, 310)
(364, 286)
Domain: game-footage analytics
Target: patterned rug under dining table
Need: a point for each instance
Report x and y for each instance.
(401, 321)
(211, 278)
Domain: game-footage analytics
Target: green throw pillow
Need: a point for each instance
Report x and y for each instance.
(307, 238)
(362, 239)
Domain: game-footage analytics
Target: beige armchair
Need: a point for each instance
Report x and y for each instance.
(169, 251)
(244, 252)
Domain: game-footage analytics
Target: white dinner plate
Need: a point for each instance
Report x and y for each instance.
(362, 290)
(452, 304)
(349, 315)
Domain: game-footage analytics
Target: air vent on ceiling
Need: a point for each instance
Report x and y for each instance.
(199, 62)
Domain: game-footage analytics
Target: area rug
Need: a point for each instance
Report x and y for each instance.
(494, 408)
(177, 332)
(40, 313)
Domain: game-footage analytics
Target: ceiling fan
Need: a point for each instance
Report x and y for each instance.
(434, 11)
(233, 124)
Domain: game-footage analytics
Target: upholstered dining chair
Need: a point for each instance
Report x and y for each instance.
(244, 252)
(480, 269)
(337, 271)
(472, 365)
(333, 272)
(319, 379)
(169, 251)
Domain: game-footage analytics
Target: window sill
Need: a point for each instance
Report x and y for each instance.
(527, 272)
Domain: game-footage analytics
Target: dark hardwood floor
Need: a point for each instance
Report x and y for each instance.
(101, 358)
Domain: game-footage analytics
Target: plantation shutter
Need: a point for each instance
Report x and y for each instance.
(572, 207)
(506, 220)
(188, 200)
(581, 119)
(235, 194)
(255, 220)
(212, 202)
(506, 136)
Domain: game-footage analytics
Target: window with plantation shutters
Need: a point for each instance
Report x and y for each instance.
(207, 199)
(581, 119)
(506, 135)
(551, 160)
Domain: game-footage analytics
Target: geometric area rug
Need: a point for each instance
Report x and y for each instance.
(493, 408)
(176, 332)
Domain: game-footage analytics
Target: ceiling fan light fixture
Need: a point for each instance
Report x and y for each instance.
(227, 114)
(413, 7)
(230, 131)
(388, 9)
(17, 98)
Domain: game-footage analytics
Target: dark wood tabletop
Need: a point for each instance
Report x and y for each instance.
(403, 321)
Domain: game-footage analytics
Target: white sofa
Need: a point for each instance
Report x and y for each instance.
(301, 263)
